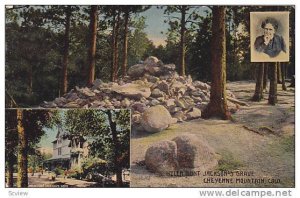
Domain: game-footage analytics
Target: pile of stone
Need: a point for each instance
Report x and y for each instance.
(185, 152)
(154, 91)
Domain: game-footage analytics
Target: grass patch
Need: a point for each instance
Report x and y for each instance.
(228, 162)
(166, 134)
(288, 143)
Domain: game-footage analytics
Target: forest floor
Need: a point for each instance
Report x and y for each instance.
(260, 140)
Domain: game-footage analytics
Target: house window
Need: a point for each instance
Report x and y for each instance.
(59, 151)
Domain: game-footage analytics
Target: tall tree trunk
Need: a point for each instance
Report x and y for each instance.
(10, 170)
(125, 45)
(117, 157)
(64, 83)
(22, 180)
(182, 42)
(266, 66)
(283, 71)
(30, 79)
(279, 79)
(258, 94)
(116, 48)
(92, 44)
(218, 102)
(273, 84)
(113, 45)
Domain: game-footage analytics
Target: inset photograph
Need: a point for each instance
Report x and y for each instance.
(269, 33)
(67, 148)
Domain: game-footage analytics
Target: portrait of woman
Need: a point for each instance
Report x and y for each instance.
(269, 36)
(270, 43)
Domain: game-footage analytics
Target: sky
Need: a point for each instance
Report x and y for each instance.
(155, 24)
(46, 140)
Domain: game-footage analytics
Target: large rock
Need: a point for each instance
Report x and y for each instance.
(136, 71)
(138, 106)
(85, 91)
(164, 86)
(201, 85)
(183, 103)
(156, 93)
(152, 61)
(156, 119)
(193, 113)
(125, 102)
(180, 116)
(194, 152)
(156, 71)
(161, 157)
(184, 152)
(169, 67)
(170, 103)
(132, 90)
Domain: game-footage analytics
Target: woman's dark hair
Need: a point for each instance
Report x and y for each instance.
(271, 21)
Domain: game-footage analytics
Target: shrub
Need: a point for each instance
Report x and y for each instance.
(58, 171)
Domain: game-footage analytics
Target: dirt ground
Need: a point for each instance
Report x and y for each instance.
(59, 182)
(258, 142)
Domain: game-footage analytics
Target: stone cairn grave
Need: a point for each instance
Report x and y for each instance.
(156, 94)
(182, 153)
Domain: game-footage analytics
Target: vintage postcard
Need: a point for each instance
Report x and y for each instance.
(207, 92)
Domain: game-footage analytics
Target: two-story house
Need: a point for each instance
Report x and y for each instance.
(61, 151)
(68, 151)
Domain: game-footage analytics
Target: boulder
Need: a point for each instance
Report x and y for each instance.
(186, 151)
(201, 85)
(156, 119)
(136, 71)
(156, 93)
(85, 91)
(116, 104)
(164, 86)
(178, 87)
(198, 92)
(61, 101)
(180, 116)
(97, 103)
(197, 99)
(125, 103)
(156, 71)
(71, 97)
(193, 113)
(154, 102)
(72, 105)
(152, 61)
(195, 153)
(170, 103)
(161, 157)
(132, 90)
(174, 109)
(182, 103)
(152, 79)
(169, 67)
(138, 106)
